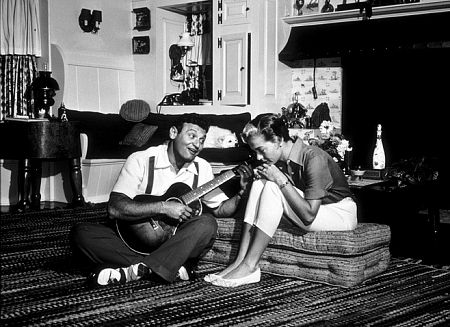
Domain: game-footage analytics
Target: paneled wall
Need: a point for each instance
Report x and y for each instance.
(97, 69)
(94, 86)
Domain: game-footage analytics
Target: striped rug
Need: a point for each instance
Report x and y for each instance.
(40, 286)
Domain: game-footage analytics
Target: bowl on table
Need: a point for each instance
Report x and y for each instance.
(357, 174)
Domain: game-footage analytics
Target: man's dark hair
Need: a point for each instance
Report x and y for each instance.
(191, 118)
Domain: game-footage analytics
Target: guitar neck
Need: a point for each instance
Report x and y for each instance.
(207, 187)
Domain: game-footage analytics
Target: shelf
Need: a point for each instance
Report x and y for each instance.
(409, 9)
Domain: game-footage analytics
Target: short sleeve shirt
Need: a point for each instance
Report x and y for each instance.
(316, 174)
(134, 176)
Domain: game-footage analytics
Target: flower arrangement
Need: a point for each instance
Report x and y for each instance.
(295, 114)
(333, 143)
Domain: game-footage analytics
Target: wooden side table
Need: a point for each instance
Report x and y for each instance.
(384, 202)
(32, 142)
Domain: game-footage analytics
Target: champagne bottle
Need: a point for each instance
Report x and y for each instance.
(379, 157)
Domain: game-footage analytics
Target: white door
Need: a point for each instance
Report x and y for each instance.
(170, 26)
(233, 68)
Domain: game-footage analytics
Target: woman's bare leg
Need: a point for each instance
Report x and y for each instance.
(246, 237)
(251, 210)
(250, 262)
(268, 215)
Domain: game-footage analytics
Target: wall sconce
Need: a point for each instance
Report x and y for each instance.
(185, 43)
(90, 22)
(97, 18)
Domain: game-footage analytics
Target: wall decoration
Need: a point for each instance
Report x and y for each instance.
(142, 19)
(328, 85)
(141, 45)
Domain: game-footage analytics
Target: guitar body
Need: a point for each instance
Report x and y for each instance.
(146, 235)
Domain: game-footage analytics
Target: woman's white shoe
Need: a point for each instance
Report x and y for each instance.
(254, 277)
(211, 277)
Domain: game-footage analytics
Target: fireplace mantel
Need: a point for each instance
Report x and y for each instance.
(391, 28)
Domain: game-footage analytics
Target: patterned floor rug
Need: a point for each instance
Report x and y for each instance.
(40, 286)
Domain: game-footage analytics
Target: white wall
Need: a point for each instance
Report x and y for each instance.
(98, 69)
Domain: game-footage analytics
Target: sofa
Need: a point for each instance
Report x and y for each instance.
(108, 139)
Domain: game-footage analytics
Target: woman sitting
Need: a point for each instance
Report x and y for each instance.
(295, 181)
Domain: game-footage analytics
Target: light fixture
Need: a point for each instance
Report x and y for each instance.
(90, 22)
(97, 19)
(44, 87)
(185, 43)
(85, 20)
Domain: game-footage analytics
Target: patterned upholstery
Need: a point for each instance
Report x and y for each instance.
(337, 258)
(134, 110)
(139, 135)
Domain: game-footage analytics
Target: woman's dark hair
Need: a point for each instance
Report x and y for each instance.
(270, 126)
(191, 118)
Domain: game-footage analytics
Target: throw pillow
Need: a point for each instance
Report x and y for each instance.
(139, 135)
(218, 137)
(135, 110)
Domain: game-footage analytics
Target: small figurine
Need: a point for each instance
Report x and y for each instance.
(63, 113)
(298, 6)
(327, 7)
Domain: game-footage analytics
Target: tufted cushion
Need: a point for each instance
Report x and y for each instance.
(139, 135)
(344, 258)
(135, 110)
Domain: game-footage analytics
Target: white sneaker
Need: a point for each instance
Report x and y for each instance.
(183, 274)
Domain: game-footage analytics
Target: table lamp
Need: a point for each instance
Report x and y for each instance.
(44, 87)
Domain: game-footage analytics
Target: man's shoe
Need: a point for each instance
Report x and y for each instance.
(183, 273)
(107, 276)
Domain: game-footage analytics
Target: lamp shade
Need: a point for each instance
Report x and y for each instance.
(44, 80)
(185, 40)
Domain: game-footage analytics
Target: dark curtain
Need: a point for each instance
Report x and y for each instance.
(16, 75)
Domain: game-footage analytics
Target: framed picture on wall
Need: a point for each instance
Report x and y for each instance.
(141, 45)
(142, 19)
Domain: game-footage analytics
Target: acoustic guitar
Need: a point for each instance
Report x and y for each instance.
(145, 235)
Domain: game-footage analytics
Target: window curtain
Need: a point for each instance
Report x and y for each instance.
(20, 27)
(199, 56)
(19, 45)
(16, 75)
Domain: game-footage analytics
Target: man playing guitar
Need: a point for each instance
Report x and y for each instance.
(153, 233)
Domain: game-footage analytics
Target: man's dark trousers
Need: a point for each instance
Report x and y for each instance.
(101, 244)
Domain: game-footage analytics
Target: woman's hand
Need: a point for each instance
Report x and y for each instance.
(271, 173)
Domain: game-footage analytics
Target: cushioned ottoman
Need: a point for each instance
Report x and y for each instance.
(336, 258)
